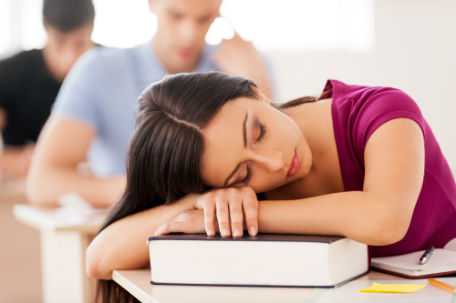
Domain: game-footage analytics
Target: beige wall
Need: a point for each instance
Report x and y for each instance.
(413, 48)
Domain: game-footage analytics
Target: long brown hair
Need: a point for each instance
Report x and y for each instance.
(164, 154)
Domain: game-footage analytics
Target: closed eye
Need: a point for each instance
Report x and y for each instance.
(261, 135)
(262, 132)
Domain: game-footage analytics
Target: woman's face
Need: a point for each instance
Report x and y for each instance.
(251, 143)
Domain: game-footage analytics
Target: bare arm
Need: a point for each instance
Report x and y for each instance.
(62, 146)
(355, 215)
(378, 215)
(123, 244)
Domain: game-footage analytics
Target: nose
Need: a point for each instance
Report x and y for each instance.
(272, 161)
(189, 32)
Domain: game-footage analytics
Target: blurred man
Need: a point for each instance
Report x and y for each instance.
(94, 116)
(30, 80)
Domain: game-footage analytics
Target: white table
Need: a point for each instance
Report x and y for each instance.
(137, 283)
(64, 240)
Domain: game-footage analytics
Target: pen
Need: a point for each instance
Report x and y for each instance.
(442, 285)
(426, 256)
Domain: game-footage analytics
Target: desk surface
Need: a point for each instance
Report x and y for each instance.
(60, 219)
(136, 282)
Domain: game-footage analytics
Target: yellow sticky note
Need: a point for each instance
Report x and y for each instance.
(393, 288)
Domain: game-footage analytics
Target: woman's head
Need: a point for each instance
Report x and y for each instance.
(165, 152)
(203, 130)
(198, 131)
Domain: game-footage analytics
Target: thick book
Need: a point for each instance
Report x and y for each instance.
(441, 263)
(263, 260)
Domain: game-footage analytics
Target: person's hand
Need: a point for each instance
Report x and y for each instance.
(228, 209)
(189, 222)
(15, 162)
(236, 55)
(239, 57)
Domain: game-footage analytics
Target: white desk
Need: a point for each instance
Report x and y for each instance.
(136, 282)
(64, 240)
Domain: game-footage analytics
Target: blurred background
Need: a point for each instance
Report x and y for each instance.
(404, 43)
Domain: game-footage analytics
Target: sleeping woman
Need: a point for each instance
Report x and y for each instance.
(211, 154)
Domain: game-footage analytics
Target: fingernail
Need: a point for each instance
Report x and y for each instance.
(252, 231)
(237, 233)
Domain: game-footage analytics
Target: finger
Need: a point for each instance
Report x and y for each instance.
(222, 213)
(250, 206)
(161, 230)
(209, 217)
(236, 215)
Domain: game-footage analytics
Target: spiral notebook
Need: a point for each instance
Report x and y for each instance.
(441, 263)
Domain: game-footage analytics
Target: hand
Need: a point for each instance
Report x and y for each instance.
(239, 57)
(189, 222)
(15, 162)
(235, 55)
(229, 208)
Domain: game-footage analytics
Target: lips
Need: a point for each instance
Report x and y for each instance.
(185, 53)
(294, 165)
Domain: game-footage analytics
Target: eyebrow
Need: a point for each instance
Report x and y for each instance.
(244, 135)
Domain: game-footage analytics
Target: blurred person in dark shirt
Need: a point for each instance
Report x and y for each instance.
(30, 80)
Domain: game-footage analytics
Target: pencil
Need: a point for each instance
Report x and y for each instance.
(442, 285)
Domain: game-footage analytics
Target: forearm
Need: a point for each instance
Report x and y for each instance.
(123, 244)
(360, 216)
(45, 186)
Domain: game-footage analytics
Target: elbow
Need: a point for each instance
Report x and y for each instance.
(35, 191)
(390, 229)
(40, 189)
(96, 267)
(95, 270)
(388, 236)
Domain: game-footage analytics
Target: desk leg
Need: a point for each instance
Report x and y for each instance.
(63, 266)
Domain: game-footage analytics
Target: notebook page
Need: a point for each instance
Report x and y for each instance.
(441, 260)
(451, 245)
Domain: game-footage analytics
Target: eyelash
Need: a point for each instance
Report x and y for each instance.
(260, 138)
(262, 132)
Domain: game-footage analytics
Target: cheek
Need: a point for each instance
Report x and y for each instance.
(265, 181)
(285, 135)
(167, 26)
